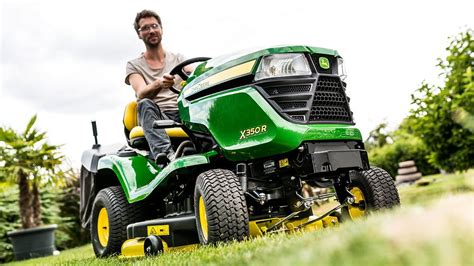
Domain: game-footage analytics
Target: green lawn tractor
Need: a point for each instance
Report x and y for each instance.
(261, 132)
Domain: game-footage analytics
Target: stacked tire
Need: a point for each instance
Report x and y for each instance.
(407, 173)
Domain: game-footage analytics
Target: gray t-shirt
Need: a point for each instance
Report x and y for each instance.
(165, 99)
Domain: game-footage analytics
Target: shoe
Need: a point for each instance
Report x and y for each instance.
(164, 158)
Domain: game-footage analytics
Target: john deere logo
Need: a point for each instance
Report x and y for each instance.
(324, 63)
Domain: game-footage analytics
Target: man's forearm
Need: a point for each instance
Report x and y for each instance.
(149, 91)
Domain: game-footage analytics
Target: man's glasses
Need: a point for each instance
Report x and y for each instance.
(147, 28)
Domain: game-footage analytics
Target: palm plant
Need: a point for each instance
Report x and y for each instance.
(28, 160)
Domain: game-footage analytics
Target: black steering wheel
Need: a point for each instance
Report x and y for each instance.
(178, 69)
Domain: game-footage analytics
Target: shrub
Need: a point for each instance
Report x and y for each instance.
(60, 206)
(406, 147)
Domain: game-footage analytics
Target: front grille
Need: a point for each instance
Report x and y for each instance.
(300, 118)
(287, 89)
(292, 100)
(328, 113)
(330, 102)
(292, 105)
(328, 99)
(321, 100)
(332, 84)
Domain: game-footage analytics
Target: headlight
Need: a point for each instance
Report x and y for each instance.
(341, 70)
(282, 65)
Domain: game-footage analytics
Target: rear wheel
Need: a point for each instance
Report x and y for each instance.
(111, 214)
(373, 189)
(220, 207)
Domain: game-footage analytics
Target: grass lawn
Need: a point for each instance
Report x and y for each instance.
(434, 226)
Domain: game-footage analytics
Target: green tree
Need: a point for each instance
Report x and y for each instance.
(442, 116)
(28, 160)
(403, 146)
(378, 137)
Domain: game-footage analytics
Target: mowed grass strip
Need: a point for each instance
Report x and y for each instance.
(434, 229)
(439, 186)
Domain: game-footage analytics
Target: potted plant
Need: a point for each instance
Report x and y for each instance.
(29, 161)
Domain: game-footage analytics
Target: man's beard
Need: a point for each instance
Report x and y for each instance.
(153, 44)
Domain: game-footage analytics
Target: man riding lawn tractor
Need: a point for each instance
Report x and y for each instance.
(254, 128)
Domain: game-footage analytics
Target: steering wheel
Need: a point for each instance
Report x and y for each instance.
(178, 69)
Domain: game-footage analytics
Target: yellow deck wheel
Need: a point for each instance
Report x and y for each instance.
(203, 218)
(357, 209)
(103, 227)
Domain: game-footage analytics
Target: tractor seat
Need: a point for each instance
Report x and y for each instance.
(134, 133)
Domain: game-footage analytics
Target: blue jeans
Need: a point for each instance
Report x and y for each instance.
(158, 140)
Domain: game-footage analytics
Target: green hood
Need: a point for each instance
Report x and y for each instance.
(226, 61)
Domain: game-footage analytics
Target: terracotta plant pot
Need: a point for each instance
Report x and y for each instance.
(33, 242)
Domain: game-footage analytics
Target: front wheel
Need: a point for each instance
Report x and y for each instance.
(373, 190)
(220, 207)
(111, 214)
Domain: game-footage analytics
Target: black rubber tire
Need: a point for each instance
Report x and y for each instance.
(152, 246)
(378, 189)
(225, 207)
(120, 214)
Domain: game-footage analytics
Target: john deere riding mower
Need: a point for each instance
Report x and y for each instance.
(260, 131)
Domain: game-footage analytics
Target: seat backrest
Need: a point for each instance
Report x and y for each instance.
(130, 121)
(133, 132)
(130, 118)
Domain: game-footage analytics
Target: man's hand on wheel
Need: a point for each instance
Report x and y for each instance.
(167, 81)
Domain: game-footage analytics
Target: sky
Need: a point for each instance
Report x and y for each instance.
(65, 60)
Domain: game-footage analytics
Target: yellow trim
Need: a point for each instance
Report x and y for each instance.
(136, 132)
(330, 221)
(165, 245)
(356, 211)
(203, 218)
(176, 132)
(133, 247)
(103, 227)
(259, 227)
(283, 163)
(159, 230)
(228, 74)
(130, 115)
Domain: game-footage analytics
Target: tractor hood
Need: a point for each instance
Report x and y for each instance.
(238, 65)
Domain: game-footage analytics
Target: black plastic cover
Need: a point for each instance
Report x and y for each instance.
(334, 161)
(333, 157)
(182, 230)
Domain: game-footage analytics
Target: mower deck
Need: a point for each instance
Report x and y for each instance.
(180, 233)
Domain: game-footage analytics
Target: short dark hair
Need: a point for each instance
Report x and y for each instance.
(145, 14)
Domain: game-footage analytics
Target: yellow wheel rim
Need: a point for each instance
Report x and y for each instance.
(203, 218)
(103, 227)
(357, 209)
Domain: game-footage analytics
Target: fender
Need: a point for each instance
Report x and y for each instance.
(90, 158)
(139, 177)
